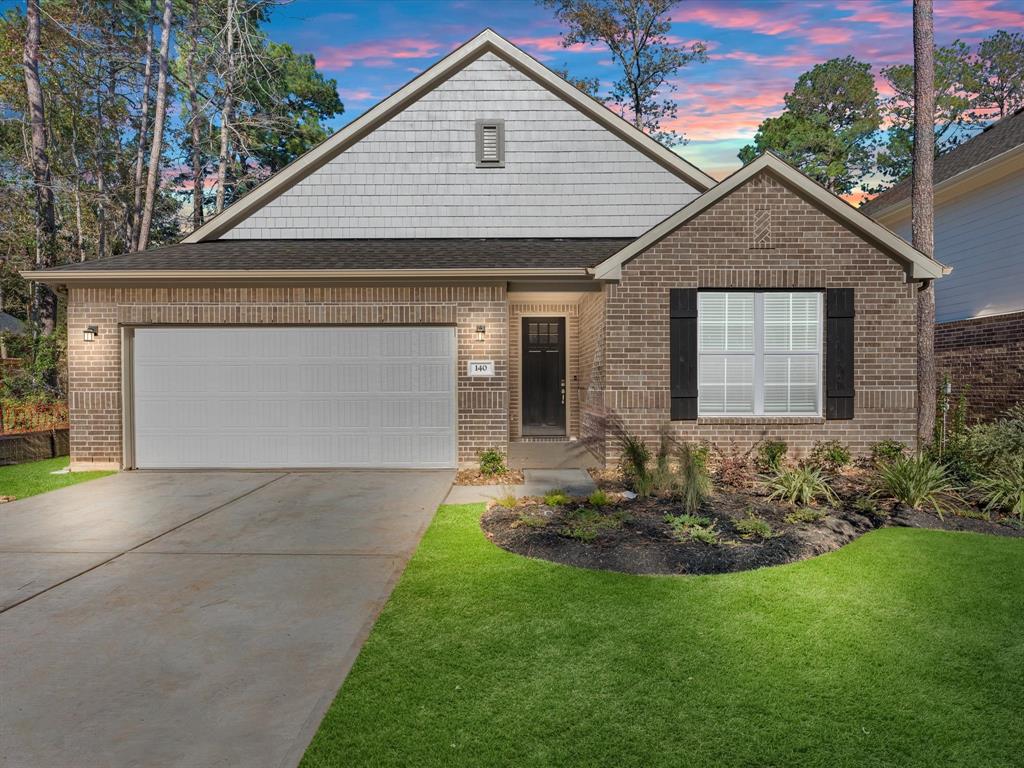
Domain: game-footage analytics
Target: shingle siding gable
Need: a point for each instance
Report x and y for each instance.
(416, 175)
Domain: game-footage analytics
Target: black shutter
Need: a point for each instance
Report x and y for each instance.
(683, 352)
(839, 353)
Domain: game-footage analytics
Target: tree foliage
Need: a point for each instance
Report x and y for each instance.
(828, 127)
(636, 32)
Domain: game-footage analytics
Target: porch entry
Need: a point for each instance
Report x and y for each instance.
(543, 376)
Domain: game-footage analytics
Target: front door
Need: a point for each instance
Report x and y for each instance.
(543, 376)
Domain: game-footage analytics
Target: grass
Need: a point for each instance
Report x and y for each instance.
(21, 480)
(901, 649)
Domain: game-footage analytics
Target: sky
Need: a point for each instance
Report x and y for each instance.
(757, 49)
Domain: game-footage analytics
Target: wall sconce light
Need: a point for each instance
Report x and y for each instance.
(480, 331)
(89, 334)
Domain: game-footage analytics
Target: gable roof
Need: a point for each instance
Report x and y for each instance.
(917, 265)
(993, 144)
(486, 41)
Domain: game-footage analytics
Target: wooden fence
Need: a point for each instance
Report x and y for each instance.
(32, 417)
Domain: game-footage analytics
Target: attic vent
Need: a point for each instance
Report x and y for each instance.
(490, 143)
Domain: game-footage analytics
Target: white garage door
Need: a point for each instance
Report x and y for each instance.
(294, 397)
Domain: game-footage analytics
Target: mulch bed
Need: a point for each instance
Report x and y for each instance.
(473, 476)
(637, 539)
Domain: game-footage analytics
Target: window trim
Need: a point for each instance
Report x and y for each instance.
(499, 126)
(758, 354)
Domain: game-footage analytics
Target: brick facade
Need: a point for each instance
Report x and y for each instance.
(94, 368)
(986, 355)
(726, 246)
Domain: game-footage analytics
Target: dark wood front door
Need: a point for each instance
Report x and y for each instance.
(543, 376)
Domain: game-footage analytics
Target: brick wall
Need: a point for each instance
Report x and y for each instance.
(987, 355)
(592, 380)
(516, 312)
(94, 368)
(804, 249)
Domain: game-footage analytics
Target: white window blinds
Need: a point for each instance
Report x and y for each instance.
(759, 353)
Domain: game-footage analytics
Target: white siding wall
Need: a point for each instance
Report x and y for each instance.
(981, 235)
(416, 176)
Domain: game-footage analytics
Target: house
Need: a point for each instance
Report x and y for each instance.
(979, 210)
(487, 257)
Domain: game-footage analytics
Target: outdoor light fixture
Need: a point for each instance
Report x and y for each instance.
(89, 334)
(480, 331)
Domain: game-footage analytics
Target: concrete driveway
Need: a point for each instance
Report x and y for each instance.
(193, 618)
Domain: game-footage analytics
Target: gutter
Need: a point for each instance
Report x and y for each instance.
(73, 277)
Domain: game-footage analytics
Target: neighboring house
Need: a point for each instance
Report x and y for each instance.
(979, 231)
(10, 324)
(485, 257)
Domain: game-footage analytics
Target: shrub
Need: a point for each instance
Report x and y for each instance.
(1002, 487)
(703, 535)
(599, 499)
(830, 455)
(868, 505)
(803, 486)
(1000, 439)
(770, 454)
(805, 515)
(733, 468)
(557, 498)
(753, 527)
(693, 483)
(492, 462)
(887, 450)
(635, 463)
(918, 482)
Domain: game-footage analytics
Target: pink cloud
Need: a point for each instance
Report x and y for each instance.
(548, 43)
(769, 22)
(376, 52)
(872, 13)
(355, 94)
(781, 61)
(976, 15)
(828, 35)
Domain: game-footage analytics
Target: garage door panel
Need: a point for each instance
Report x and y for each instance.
(294, 397)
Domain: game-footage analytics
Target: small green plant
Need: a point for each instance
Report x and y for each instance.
(887, 450)
(693, 483)
(972, 513)
(702, 535)
(803, 486)
(753, 527)
(687, 527)
(805, 515)
(868, 505)
(587, 524)
(508, 500)
(1002, 487)
(830, 455)
(919, 482)
(599, 499)
(530, 520)
(492, 462)
(557, 498)
(770, 455)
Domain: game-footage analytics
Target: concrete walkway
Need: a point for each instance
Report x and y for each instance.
(193, 618)
(537, 482)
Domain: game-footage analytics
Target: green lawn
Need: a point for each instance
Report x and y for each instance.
(21, 480)
(905, 648)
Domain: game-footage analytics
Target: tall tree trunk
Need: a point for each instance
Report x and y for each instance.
(79, 239)
(226, 108)
(46, 223)
(923, 211)
(193, 101)
(135, 217)
(101, 185)
(158, 126)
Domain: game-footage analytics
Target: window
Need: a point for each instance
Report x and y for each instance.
(490, 143)
(759, 353)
